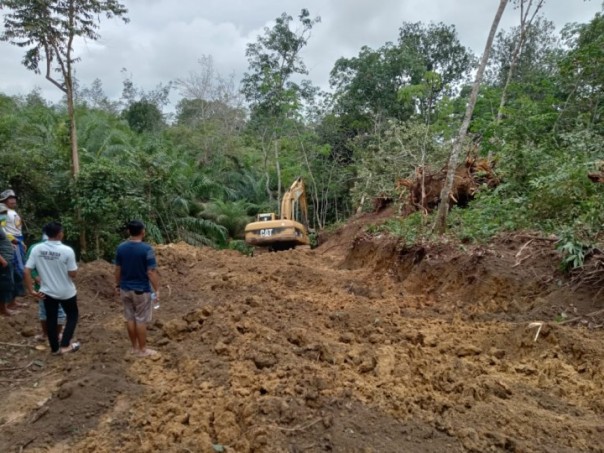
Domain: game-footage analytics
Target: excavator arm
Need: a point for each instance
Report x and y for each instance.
(294, 202)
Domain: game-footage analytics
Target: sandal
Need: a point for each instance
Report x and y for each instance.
(73, 347)
(147, 353)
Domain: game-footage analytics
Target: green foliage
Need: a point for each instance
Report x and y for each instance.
(394, 110)
(427, 57)
(413, 229)
(538, 58)
(582, 71)
(490, 213)
(144, 116)
(573, 252)
(241, 247)
(394, 154)
(274, 60)
(105, 197)
(48, 28)
(231, 215)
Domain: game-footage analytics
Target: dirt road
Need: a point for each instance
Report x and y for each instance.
(359, 345)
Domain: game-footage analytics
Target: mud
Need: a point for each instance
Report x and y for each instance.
(360, 345)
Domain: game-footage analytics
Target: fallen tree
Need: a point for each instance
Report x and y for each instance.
(423, 191)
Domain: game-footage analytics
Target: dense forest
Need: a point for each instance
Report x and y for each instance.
(199, 171)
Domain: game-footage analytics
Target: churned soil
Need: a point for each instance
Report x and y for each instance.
(360, 345)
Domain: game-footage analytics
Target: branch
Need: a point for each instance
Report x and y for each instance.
(49, 54)
(578, 318)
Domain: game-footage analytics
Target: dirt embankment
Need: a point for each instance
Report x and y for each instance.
(361, 345)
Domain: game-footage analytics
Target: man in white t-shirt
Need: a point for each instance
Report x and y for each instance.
(57, 267)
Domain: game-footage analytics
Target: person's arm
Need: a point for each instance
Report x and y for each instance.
(29, 284)
(154, 279)
(72, 265)
(3, 262)
(118, 275)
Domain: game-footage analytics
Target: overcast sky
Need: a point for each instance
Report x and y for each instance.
(165, 38)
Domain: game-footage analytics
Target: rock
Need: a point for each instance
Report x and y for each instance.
(525, 369)
(297, 337)
(375, 338)
(347, 337)
(264, 360)
(369, 363)
(468, 350)
(28, 332)
(163, 342)
(198, 316)
(173, 328)
(221, 348)
(65, 392)
(497, 353)
(252, 301)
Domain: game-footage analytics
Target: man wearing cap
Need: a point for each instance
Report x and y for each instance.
(7, 287)
(13, 228)
(13, 220)
(135, 276)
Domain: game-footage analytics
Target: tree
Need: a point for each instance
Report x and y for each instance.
(443, 209)
(583, 74)
(368, 86)
(526, 20)
(144, 116)
(273, 62)
(94, 97)
(48, 29)
(274, 96)
(220, 97)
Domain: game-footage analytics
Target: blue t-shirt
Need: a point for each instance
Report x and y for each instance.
(135, 259)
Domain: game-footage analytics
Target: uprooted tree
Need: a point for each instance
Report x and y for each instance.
(423, 191)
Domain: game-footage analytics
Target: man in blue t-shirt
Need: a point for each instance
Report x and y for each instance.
(135, 277)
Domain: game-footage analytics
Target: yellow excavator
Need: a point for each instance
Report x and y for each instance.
(289, 230)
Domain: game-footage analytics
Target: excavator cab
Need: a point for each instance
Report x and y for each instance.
(265, 217)
(289, 230)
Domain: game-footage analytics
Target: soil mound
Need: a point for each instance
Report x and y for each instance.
(362, 344)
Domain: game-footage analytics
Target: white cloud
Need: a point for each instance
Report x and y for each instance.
(165, 38)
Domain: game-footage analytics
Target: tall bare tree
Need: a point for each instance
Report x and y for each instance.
(526, 20)
(443, 208)
(48, 29)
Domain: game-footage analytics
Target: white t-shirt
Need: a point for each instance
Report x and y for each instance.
(13, 223)
(52, 260)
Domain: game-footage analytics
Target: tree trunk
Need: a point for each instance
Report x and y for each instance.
(73, 134)
(524, 24)
(75, 156)
(443, 208)
(278, 168)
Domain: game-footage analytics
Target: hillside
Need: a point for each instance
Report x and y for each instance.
(360, 345)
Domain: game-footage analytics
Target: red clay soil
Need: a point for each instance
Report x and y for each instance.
(360, 345)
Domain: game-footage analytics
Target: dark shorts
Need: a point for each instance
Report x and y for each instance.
(7, 284)
(137, 307)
